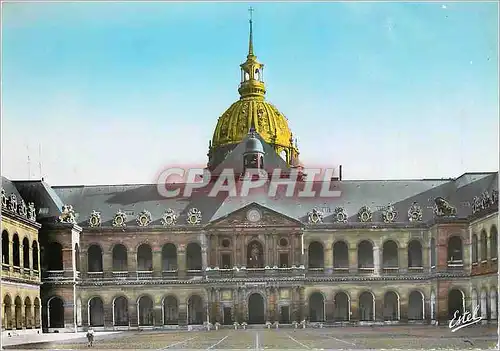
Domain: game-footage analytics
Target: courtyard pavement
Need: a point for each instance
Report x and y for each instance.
(44, 338)
(342, 338)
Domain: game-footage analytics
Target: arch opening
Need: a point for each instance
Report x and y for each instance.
(195, 310)
(26, 253)
(416, 306)
(146, 312)
(340, 255)
(316, 307)
(390, 256)
(94, 257)
(366, 307)
(170, 311)
(7, 313)
(415, 254)
(120, 258)
(455, 251)
(38, 319)
(455, 303)
(18, 313)
(120, 312)
(391, 306)
(484, 245)
(342, 309)
(365, 254)
(193, 257)
(35, 256)
(96, 312)
(316, 255)
(5, 247)
(494, 303)
(493, 242)
(56, 312)
(144, 258)
(256, 314)
(28, 316)
(169, 257)
(16, 257)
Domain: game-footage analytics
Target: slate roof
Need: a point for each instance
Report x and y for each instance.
(10, 188)
(376, 194)
(47, 202)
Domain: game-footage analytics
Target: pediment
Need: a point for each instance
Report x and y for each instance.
(255, 215)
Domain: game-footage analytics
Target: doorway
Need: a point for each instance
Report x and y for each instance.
(256, 309)
(283, 260)
(227, 318)
(285, 314)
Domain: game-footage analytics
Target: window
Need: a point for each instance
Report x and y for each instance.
(226, 261)
(283, 260)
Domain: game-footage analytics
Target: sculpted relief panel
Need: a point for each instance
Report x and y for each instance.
(255, 216)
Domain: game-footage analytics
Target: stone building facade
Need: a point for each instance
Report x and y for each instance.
(20, 287)
(397, 251)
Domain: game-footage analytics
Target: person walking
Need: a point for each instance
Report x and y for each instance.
(90, 337)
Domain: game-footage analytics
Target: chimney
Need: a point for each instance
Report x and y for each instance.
(340, 172)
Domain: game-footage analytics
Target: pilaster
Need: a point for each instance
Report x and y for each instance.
(181, 261)
(157, 261)
(376, 260)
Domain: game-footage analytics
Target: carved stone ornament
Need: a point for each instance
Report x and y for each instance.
(315, 216)
(120, 219)
(22, 209)
(12, 203)
(254, 215)
(389, 214)
(194, 216)
(476, 204)
(484, 201)
(169, 217)
(443, 208)
(365, 214)
(95, 219)
(494, 197)
(415, 213)
(339, 215)
(144, 218)
(4, 199)
(31, 212)
(67, 215)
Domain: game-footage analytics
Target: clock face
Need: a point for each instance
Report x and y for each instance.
(254, 215)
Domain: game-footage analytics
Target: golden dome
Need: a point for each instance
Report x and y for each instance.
(234, 124)
(253, 111)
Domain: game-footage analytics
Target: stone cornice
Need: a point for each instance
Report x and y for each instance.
(269, 280)
(19, 218)
(13, 279)
(151, 228)
(372, 226)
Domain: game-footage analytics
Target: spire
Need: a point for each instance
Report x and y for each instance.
(252, 80)
(250, 40)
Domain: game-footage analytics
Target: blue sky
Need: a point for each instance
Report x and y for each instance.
(116, 92)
